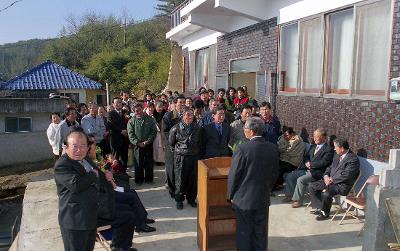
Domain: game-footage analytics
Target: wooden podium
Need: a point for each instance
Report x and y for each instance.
(216, 221)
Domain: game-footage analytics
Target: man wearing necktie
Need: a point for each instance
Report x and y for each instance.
(215, 136)
(338, 179)
(118, 133)
(316, 160)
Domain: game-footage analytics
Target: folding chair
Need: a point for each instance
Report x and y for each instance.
(101, 239)
(358, 202)
(352, 192)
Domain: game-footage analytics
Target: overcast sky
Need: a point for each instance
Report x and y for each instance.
(28, 19)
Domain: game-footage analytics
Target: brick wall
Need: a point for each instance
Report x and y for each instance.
(260, 38)
(371, 126)
(395, 61)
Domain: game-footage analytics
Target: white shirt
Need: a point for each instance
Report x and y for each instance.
(255, 137)
(51, 135)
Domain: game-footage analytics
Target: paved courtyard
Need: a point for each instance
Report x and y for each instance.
(289, 229)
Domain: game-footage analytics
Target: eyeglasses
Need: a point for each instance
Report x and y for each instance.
(73, 146)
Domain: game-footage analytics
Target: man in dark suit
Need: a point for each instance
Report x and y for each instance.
(77, 188)
(118, 132)
(338, 179)
(315, 162)
(215, 136)
(251, 178)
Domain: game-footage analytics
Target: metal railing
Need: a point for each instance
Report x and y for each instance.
(176, 18)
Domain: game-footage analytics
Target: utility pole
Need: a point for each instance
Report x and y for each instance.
(125, 33)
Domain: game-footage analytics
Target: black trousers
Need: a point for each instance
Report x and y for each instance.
(169, 169)
(185, 178)
(123, 226)
(322, 200)
(78, 240)
(284, 167)
(143, 163)
(130, 198)
(251, 229)
(121, 151)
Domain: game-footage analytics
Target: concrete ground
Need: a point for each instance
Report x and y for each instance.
(289, 229)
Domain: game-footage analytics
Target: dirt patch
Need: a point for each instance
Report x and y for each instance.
(12, 185)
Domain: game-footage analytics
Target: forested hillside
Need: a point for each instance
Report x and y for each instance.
(128, 54)
(18, 57)
(131, 56)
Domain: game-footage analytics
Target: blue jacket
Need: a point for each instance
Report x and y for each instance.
(272, 130)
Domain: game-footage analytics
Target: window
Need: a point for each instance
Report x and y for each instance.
(245, 65)
(345, 52)
(340, 50)
(14, 124)
(201, 66)
(289, 63)
(311, 49)
(373, 42)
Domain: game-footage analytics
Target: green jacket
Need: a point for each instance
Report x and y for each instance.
(141, 129)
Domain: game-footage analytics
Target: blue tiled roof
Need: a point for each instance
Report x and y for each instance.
(50, 76)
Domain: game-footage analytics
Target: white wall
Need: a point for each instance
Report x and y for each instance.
(310, 7)
(26, 147)
(200, 39)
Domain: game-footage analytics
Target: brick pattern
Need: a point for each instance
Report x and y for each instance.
(370, 126)
(185, 54)
(260, 38)
(395, 60)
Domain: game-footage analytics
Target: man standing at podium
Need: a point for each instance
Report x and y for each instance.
(251, 178)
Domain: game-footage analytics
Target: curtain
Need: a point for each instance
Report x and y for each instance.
(289, 49)
(373, 22)
(311, 44)
(340, 51)
(202, 61)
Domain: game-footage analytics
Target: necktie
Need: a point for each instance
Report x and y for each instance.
(317, 149)
(219, 129)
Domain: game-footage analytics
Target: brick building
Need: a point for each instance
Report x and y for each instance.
(320, 63)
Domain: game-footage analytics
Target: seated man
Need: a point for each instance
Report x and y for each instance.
(316, 160)
(338, 179)
(291, 151)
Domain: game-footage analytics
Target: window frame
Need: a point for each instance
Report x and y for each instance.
(18, 127)
(325, 33)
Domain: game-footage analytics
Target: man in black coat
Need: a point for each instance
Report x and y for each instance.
(184, 138)
(118, 133)
(77, 188)
(316, 160)
(251, 178)
(169, 120)
(339, 178)
(215, 136)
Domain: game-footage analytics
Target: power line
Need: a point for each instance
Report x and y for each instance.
(10, 5)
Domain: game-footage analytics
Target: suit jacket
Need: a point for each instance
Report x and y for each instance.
(253, 173)
(116, 124)
(78, 194)
(344, 173)
(320, 161)
(213, 144)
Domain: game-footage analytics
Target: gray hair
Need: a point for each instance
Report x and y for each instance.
(256, 125)
(322, 131)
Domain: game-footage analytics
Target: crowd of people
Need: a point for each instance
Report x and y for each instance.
(95, 145)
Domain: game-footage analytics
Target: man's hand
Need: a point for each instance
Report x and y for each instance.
(327, 180)
(124, 132)
(141, 144)
(308, 165)
(109, 176)
(96, 172)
